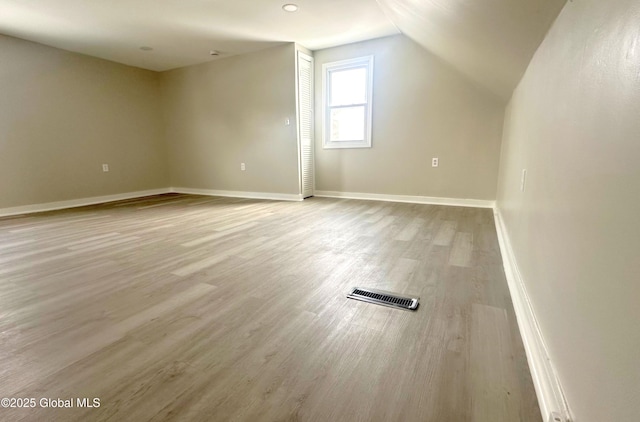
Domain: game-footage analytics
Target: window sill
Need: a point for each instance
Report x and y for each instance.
(345, 145)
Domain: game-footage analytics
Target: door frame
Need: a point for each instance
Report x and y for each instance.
(301, 54)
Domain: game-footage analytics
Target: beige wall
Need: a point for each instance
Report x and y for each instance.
(62, 115)
(65, 114)
(422, 108)
(229, 111)
(574, 124)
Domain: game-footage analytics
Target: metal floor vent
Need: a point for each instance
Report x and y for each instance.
(381, 297)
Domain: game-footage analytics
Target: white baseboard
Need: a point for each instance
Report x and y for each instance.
(51, 206)
(73, 203)
(240, 194)
(476, 203)
(548, 389)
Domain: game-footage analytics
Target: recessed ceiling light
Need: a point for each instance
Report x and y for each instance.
(146, 48)
(290, 7)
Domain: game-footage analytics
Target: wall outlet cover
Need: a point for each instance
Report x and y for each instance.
(555, 417)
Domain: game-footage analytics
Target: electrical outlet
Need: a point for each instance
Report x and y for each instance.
(105, 168)
(523, 180)
(555, 417)
(243, 167)
(434, 162)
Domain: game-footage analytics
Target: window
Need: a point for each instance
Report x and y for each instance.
(347, 92)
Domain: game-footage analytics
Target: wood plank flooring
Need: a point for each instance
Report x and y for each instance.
(191, 308)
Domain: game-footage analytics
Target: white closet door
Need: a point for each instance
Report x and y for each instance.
(305, 104)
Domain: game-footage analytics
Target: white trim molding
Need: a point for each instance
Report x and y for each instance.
(73, 203)
(81, 202)
(551, 398)
(240, 194)
(366, 63)
(431, 200)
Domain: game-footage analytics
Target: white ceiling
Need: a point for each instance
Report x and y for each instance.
(183, 32)
(491, 41)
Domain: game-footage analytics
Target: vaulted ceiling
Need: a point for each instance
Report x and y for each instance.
(491, 41)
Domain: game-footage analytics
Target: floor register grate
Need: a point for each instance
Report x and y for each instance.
(380, 297)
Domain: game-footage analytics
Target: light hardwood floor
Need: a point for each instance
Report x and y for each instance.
(190, 308)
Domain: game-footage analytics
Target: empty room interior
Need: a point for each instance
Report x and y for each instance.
(323, 210)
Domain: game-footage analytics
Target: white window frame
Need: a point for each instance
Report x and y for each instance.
(365, 62)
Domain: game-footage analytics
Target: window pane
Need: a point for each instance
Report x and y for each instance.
(348, 86)
(347, 124)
